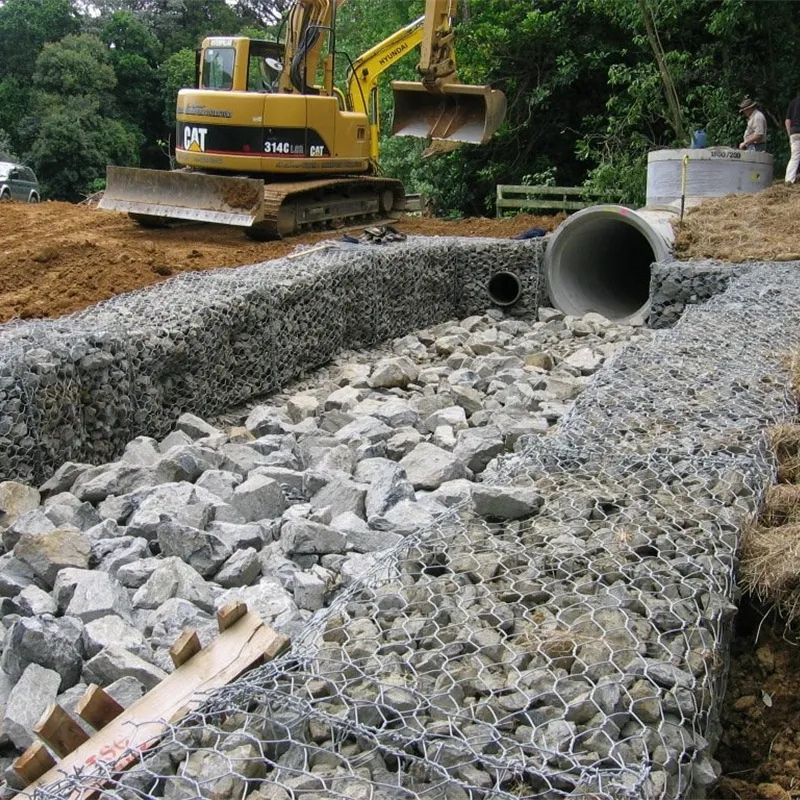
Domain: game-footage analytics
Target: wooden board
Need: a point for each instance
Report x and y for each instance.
(244, 644)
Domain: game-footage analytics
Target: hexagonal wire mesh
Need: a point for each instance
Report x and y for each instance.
(578, 653)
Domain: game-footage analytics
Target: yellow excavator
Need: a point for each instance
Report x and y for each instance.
(267, 142)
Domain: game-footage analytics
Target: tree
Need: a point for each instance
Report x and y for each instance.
(26, 25)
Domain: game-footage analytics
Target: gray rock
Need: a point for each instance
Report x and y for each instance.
(452, 493)
(241, 459)
(453, 416)
(111, 554)
(194, 427)
(114, 631)
(302, 406)
(309, 591)
(354, 375)
(267, 600)
(63, 478)
(364, 429)
(291, 481)
(15, 575)
(136, 573)
(428, 466)
(241, 569)
(35, 521)
(97, 594)
(113, 663)
(49, 552)
(238, 537)
(585, 360)
(141, 452)
(186, 463)
(34, 602)
(35, 690)
(468, 398)
(16, 499)
(173, 578)
(166, 623)
(404, 518)
(344, 398)
(505, 502)
(222, 774)
(264, 420)
(476, 447)
(513, 423)
(46, 641)
(258, 498)
(444, 436)
(402, 443)
(71, 512)
(126, 691)
(118, 478)
(301, 537)
(202, 551)
(219, 483)
(174, 439)
(387, 488)
(394, 372)
(395, 414)
(341, 495)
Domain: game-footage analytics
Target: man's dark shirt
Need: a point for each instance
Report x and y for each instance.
(793, 114)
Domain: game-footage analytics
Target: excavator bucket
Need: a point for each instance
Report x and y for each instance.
(151, 196)
(460, 113)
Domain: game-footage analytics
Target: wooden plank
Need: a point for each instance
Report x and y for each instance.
(187, 645)
(59, 731)
(229, 614)
(563, 205)
(33, 763)
(243, 645)
(97, 708)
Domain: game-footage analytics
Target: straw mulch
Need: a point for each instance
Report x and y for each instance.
(743, 227)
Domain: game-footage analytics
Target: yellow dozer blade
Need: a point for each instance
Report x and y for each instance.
(460, 113)
(152, 194)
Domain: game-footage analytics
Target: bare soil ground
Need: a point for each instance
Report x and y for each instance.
(744, 227)
(56, 258)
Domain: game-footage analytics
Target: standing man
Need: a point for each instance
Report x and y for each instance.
(755, 134)
(793, 129)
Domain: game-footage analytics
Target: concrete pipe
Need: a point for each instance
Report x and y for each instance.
(504, 288)
(599, 260)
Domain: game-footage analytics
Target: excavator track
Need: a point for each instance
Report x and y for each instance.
(296, 207)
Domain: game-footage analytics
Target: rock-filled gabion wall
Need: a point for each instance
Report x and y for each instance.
(578, 652)
(79, 388)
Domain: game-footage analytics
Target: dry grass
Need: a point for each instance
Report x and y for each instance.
(745, 227)
(785, 441)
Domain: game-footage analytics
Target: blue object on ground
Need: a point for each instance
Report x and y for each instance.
(698, 139)
(531, 233)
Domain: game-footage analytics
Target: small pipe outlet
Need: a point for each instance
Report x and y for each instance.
(504, 288)
(599, 260)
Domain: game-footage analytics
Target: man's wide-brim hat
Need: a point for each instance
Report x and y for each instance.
(747, 103)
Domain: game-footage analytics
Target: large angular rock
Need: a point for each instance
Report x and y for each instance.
(166, 623)
(360, 537)
(63, 478)
(505, 502)
(97, 594)
(49, 642)
(428, 466)
(239, 537)
(181, 502)
(453, 416)
(405, 518)
(364, 429)
(585, 359)
(118, 478)
(35, 690)
(309, 591)
(387, 488)
(186, 463)
(15, 575)
(270, 602)
(34, 602)
(396, 414)
(219, 483)
(302, 406)
(66, 511)
(111, 554)
(202, 551)
(402, 443)
(341, 495)
(113, 663)
(452, 493)
(303, 537)
(514, 423)
(476, 447)
(16, 499)
(195, 427)
(50, 552)
(264, 420)
(34, 521)
(142, 452)
(258, 498)
(173, 578)
(241, 569)
(344, 398)
(392, 372)
(114, 631)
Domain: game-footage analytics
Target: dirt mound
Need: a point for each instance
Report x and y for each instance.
(56, 258)
(743, 227)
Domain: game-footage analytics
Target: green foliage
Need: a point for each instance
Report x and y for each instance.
(6, 147)
(175, 73)
(77, 65)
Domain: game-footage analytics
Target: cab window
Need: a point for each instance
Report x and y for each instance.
(218, 68)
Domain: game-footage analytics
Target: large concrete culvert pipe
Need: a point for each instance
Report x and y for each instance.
(599, 260)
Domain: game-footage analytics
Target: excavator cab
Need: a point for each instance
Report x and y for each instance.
(458, 112)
